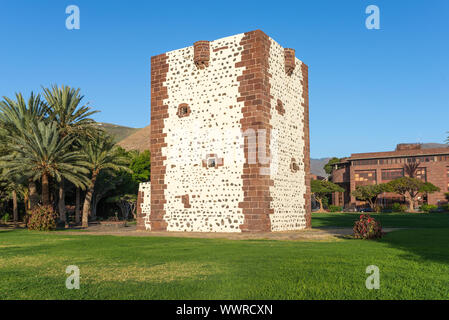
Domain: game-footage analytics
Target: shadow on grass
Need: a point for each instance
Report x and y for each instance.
(425, 236)
(388, 220)
(421, 244)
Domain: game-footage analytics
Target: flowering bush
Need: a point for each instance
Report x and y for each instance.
(367, 228)
(42, 218)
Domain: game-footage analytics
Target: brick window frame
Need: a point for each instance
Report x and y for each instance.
(294, 167)
(183, 110)
(218, 162)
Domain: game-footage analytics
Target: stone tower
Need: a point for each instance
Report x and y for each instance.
(229, 139)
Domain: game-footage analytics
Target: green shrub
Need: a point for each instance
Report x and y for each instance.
(42, 218)
(445, 207)
(428, 207)
(333, 208)
(397, 207)
(367, 228)
(5, 218)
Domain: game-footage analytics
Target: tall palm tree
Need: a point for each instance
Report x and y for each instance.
(66, 109)
(101, 156)
(15, 119)
(42, 154)
(72, 119)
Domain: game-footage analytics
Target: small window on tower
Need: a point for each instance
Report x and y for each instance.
(183, 110)
(211, 162)
(294, 167)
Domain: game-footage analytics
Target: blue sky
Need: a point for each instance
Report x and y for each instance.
(369, 89)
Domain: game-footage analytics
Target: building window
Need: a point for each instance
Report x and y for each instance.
(421, 174)
(366, 162)
(294, 167)
(183, 110)
(365, 177)
(391, 174)
(212, 161)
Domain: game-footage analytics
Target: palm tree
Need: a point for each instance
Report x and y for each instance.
(72, 119)
(41, 154)
(15, 119)
(101, 156)
(65, 109)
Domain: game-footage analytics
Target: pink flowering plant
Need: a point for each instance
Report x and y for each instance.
(42, 218)
(367, 228)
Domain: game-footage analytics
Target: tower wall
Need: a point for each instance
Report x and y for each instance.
(228, 116)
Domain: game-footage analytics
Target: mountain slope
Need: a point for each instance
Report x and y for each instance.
(118, 132)
(139, 140)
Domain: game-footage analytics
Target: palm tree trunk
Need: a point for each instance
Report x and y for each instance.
(88, 200)
(45, 190)
(14, 206)
(86, 207)
(96, 200)
(33, 196)
(77, 206)
(26, 201)
(61, 203)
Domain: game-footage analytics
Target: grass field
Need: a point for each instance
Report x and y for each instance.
(414, 264)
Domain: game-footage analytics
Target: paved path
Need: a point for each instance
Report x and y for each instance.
(308, 234)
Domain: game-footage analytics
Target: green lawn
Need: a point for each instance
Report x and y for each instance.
(414, 264)
(391, 220)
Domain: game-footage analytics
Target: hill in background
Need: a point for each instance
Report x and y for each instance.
(139, 140)
(118, 132)
(317, 166)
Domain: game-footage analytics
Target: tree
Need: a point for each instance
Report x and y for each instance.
(369, 193)
(321, 188)
(105, 183)
(330, 165)
(140, 166)
(16, 118)
(72, 119)
(410, 188)
(41, 154)
(127, 204)
(411, 168)
(100, 155)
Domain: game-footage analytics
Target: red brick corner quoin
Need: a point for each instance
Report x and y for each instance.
(159, 111)
(305, 105)
(254, 89)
